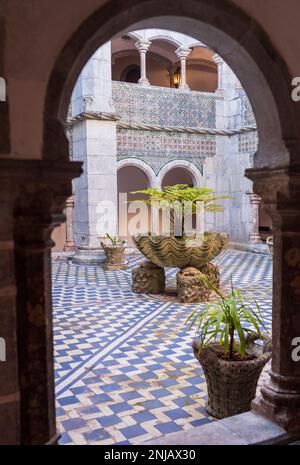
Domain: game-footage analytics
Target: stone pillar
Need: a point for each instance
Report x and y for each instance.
(280, 397)
(143, 46)
(70, 243)
(183, 54)
(9, 383)
(224, 171)
(94, 143)
(219, 62)
(33, 206)
(254, 236)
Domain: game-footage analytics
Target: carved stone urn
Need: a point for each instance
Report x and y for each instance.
(114, 255)
(177, 252)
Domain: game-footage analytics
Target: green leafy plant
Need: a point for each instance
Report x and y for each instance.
(176, 197)
(113, 239)
(230, 322)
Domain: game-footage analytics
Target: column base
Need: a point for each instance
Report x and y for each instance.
(184, 87)
(261, 248)
(280, 404)
(255, 238)
(85, 255)
(144, 82)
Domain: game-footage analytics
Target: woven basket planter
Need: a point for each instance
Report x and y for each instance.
(231, 385)
(114, 256)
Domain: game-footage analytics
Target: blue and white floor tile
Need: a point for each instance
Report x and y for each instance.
(125, 372)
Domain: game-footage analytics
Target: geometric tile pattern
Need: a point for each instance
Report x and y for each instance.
(125, 372)
(158, 148)
(164, 106)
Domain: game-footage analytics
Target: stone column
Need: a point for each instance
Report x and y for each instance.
(32, 207)
(219, 62)
(70, 243)
(183, 54)
(94, 143)
(280, 397)
(143, 47)
(254, 236)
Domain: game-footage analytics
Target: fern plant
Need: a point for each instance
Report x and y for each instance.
(174, 198)
(229, 322)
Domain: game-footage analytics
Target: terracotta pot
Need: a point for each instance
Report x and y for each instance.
(114, 255)
(170, 251)
(231, 385)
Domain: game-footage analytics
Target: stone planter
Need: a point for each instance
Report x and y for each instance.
(114, 256)
(148, 278)
(170, 251)
(190, 287)
(231, 385)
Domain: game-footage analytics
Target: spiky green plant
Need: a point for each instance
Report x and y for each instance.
(113, 239)
(177, 196)
(230, 322)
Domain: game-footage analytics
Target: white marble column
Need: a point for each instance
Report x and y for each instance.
(143, 47)
(219, 62)
(70, 242)
(183, 54)
(255, 201)
(94, 143)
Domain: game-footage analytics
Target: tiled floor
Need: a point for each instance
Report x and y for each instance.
(125, 372)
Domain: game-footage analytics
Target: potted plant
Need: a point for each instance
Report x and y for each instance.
(227, 350)
(179, 248)
(114, 249)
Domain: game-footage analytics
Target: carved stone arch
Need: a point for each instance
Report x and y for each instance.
(142, 166)
(190, 167)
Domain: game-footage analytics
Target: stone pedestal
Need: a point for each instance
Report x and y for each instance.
(148, 279)
(88, 255)
(212, 273)
(190, 287)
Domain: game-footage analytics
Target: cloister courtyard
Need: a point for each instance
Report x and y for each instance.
(124, 365)
(149, 165)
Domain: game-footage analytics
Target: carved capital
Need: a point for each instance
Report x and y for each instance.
(183, 53)
(143, 45)
(217, 59)
(279, 189)
(39, 190)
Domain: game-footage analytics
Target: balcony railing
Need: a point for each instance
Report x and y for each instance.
(163, 106)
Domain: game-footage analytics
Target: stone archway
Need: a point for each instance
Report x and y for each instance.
(265, 77)
(185, 165)
(133, 175)
(142, 166)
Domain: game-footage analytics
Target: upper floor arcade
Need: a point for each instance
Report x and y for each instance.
(164, 58)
